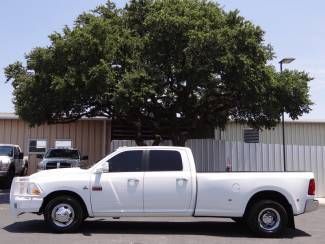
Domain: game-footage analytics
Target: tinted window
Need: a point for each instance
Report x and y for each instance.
(62, 153)
(130, 161)
(6, 151)
(163, 160)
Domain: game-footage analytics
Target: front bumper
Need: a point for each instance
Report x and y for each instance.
(24, 204)
(311, 205)
(3, 173)
(20, 204)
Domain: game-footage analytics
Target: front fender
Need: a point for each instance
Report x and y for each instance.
(83, 192)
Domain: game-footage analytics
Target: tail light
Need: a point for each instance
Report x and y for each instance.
(311, 187)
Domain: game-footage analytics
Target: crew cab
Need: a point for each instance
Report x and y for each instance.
(162, 181)
(12, 162)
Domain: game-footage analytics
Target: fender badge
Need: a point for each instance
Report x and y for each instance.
(97, 188)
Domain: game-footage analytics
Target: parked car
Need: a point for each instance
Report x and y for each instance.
(12, 162)
(162, 181)
(60, 158)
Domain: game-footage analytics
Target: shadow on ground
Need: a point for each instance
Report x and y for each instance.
(208, 228)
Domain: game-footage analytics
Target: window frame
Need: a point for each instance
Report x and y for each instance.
(147, 160)
(33, 139)
(143, 161)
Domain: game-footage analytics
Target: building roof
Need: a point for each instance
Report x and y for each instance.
(8, 116)
(14, 116)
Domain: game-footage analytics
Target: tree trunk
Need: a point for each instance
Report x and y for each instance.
(139, 140)
(157, 140)
(179, 139)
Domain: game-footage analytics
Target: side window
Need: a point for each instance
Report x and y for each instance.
(65, 143)
(37, 146)
(164, 160)
(130, 161)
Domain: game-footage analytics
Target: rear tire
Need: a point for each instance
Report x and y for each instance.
(63, 214)
(267, 218)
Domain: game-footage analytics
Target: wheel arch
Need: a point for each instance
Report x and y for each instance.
(275, 196)
(55, 194)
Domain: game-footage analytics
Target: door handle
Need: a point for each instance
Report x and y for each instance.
(182, 179)
(133, 180)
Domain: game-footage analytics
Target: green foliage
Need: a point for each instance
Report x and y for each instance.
(174, 65)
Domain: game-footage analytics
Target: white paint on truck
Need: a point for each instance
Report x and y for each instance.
(162, 181)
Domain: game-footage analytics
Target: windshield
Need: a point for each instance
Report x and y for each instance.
(62, 153)
(6, 151)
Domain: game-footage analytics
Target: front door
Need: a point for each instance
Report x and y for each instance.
(120, 191)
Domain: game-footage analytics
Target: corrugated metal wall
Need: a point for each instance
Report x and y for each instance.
(86, 135)
(296, 133)
(269, 157)
(215, 156)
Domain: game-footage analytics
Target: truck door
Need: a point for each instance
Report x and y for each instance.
(167, 184)
(120, 191)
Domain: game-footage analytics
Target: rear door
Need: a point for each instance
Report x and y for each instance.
(120, 191)
(167, 184)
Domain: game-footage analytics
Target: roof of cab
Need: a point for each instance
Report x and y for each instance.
(151, 148)
(9, 145)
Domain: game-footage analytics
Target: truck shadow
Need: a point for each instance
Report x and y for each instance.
(208, 228)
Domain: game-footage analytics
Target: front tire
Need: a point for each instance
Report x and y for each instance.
(63, 214)
(267, 218)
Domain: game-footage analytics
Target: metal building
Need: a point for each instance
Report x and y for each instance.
(91, 136)
(300, 132)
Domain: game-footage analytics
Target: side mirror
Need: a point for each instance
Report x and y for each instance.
(103, 169)
(40, 156)
(84, 158)
(21, 155)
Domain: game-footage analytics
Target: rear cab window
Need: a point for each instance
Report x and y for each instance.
(164, 160)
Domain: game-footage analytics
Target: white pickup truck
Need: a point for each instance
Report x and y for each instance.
(162, 181)
(12, 162)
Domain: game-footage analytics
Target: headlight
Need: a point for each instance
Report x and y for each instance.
(40, 165)
(4, 165)
(24, 187)
(33, 189)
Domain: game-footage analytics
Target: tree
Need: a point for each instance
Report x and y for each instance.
(176, 66)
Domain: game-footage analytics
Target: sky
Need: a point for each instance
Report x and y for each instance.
(294, 29)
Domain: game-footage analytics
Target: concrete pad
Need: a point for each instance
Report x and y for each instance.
(321, 201)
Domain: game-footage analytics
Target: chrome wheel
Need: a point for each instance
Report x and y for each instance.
(63, 215)
(269, 219)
